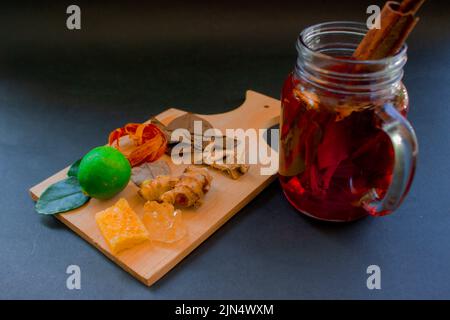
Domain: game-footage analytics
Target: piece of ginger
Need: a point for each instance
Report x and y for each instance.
(153, 189)
(186, 190)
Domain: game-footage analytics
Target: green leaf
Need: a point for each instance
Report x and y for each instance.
(73, 171)
(62, 196)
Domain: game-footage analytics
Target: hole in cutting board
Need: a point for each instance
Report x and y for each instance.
(268, 137)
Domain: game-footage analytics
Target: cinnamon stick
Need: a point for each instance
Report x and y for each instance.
(397, 22)
(410, 6)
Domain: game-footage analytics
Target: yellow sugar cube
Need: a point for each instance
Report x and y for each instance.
(121, 226)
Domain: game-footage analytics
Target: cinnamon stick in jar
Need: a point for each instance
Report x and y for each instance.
(397, 22)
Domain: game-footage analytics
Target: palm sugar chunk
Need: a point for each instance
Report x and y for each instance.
(121, 226)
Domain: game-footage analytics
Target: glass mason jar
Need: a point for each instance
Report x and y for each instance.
(346, 148)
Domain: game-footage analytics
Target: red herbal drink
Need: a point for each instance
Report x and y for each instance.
(346, 149)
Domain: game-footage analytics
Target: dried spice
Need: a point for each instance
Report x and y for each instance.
(204, 152)
(148, 171)
(187, 121)
(218, 159)
(149, 142)
(398, 20)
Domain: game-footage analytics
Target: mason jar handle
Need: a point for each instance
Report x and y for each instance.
(404, 143)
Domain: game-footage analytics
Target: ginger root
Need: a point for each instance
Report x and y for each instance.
(186, 190)
(153, 189)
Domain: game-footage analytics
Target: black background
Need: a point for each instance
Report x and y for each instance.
(62, 92)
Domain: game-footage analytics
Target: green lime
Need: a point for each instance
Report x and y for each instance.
(104, 172)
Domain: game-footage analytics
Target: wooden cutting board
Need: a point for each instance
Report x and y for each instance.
(149, 261)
